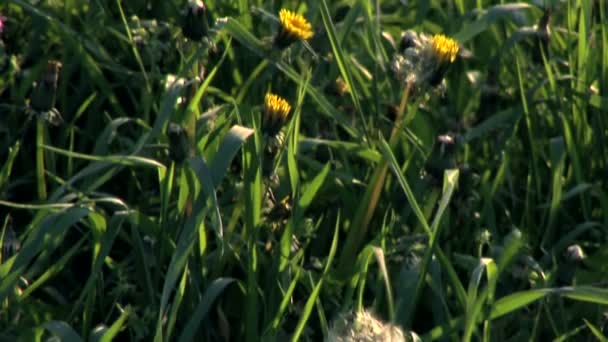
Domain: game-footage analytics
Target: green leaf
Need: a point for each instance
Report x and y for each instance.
(43, 237)
(487, 18)
(63, 331)
(516, 301)
(7, 168)
(115, 328)
(317, 289)
(596, 332)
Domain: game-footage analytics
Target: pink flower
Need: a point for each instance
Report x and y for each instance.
(2, 20)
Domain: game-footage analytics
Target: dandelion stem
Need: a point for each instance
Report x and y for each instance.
(369, 203)
(41, 184)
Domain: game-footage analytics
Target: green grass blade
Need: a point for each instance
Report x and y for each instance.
(54, 226)
(63, 331)
(340, 59)
(516, 301)
(7, 167)
(115, 328)
(487, 18)
(213, 291)
(310, 303)
(596, 331)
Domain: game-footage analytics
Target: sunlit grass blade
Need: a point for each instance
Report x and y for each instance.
(596, 332)
(117, 326)
(54, 226)
(380, 259)
(475, 302)
(7, 167)
(340, 57)
(516, 301)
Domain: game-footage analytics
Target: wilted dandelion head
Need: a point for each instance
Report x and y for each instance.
(422, 59)
(276, 112)
(445, 48)
(294, 27)
(575, 253)
(341, 86)
(363, 327)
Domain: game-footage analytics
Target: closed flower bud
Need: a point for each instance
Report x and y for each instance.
(196, 20)
(276, 113)
(179, 148)
(45, 89)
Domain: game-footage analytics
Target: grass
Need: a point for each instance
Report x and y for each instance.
(147, 209)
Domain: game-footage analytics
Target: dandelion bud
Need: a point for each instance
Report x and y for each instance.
(179, 148)
(195, 24)
(294, 27)
(543, 35)
(45, 89)
(276, 113)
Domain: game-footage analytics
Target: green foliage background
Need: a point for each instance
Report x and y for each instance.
(106, 235)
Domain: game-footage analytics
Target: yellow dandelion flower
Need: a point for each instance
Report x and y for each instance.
(444, 48)
(293, 27)
(276, 105)
(276, 112)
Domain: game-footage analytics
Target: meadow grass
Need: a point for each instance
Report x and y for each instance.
(151, 190)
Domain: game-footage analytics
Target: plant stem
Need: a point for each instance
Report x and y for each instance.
(369, 203)
(40, 182)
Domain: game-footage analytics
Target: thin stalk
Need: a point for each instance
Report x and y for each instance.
(40, 182)
(369, 203)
